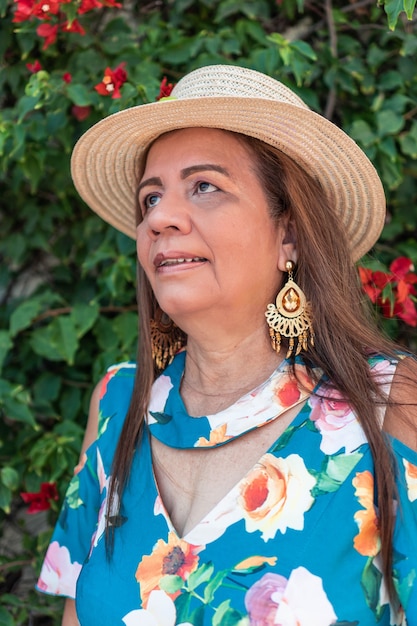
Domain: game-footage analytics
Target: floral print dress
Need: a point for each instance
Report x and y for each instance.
(294, 543)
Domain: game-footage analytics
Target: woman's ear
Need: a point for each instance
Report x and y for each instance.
(288, 244)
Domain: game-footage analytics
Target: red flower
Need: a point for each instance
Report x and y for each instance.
(88, 5)
(34, 67)
(73, 27)
(165, 89)
(80, 113)
(45, 9)
(24, 10)
(393, 291)
(49, 33)
(112, 81)
(67, 77)
(41, 501)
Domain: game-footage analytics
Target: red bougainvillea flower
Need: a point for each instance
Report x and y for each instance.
(34, 67)
(67, 78)
(45, 9)
(24, 10)
(49, 33)
(41, 501)
(112, 81)
(73, 27)
(165, 89)
(394, 291)
(80, 113)
(90, 5)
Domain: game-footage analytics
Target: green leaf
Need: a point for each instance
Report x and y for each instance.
(389, 123)
(5, 500)
(161, 418)
(83, 316)
(6, 618)
(305, 49)
(225, 616)
(5, 345)
(80, 95)
(18, 411)
(393, 9)
(24, 314)
(201, 575)
(409, 6)
(213, 585)
(171, 583)
(9, 477)
(340, 466)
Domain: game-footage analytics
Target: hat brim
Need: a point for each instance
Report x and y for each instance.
(106, 159)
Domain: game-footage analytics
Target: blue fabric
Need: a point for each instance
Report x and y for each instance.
(294, 543)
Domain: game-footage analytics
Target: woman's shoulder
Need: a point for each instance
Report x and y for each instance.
(401, 414)
(114, 392)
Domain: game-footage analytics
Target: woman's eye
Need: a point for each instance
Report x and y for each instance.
(204, 187)
(151, 200)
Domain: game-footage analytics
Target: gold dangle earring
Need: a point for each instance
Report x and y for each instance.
(167, 339)
(290, 316)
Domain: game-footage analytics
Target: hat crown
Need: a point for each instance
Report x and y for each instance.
(230, 81)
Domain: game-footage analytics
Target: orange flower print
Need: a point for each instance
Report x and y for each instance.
(217, 436)
(177, 557)
(288, 394)
(367, 541)
(411, 480)
(275, 495)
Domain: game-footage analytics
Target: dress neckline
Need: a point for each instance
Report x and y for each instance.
(170, 423)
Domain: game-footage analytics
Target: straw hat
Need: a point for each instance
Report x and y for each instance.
(106, 159)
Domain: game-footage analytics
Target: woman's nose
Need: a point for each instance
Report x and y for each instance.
(171, 213)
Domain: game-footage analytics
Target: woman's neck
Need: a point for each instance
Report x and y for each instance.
(218, 375)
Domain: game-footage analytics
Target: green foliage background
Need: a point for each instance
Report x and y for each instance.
(67, 280)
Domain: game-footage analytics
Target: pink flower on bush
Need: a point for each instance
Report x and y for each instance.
(59, 575)
(41, 501)
(336, 422)
(67, 77)
(34, 67)
(263, 598)
(112, 81)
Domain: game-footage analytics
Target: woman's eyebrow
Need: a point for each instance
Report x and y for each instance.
(188, 171)
(154, 180)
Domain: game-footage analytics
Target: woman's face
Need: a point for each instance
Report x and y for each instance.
(207, 242)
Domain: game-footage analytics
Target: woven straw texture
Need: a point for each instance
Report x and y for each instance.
(106, 160)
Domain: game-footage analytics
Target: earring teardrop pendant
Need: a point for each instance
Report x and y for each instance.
(290, 317)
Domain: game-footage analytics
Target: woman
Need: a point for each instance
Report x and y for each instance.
(268, 474)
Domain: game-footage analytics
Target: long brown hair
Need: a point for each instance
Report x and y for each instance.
(345, 336)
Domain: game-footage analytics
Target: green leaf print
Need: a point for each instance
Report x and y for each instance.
(161, 418)
(182, 606)
(201, 575)
(335, 469)
(225, 616)
(171, 583)
(213, 585)
(371, 584)
(72, 496)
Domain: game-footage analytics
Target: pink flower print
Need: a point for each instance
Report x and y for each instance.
(263, 598)
(59, 575)
(304, 602)
(337, 423)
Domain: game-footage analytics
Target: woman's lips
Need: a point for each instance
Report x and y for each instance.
(162, 260)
